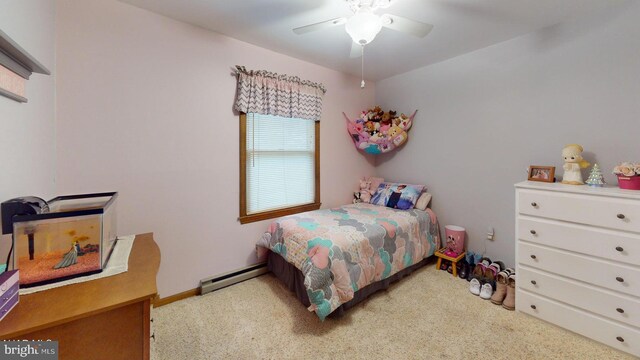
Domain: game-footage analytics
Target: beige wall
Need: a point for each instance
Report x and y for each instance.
(145, 108)
(27, 131)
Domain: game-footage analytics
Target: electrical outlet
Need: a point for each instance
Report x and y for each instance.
(490, 233)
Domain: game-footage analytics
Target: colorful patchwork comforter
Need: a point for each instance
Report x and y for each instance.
(344, 249)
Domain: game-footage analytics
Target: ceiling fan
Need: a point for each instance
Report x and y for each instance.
(364, 24)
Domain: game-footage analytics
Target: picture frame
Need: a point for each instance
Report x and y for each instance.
(542, 173)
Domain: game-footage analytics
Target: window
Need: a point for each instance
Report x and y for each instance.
(279, 166)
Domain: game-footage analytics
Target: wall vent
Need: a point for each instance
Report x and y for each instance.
(233, 277)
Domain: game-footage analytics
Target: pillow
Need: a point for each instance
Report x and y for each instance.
(397, 195)
(375, 182)
(423, 201)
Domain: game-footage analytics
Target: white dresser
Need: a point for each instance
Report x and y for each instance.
(578, 260)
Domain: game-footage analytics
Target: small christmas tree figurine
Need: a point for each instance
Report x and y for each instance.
(595, 176)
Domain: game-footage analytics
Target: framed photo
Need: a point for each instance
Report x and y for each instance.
(542, 173)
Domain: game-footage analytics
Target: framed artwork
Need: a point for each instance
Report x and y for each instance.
(542, 173)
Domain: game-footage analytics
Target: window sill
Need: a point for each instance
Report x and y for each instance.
(245, 219)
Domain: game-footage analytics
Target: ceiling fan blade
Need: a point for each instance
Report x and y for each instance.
(402, 24)
(356, 50)
(319, 26)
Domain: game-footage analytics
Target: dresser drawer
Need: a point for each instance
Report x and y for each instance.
(606, 303)
(608, 244)
(603, 273)
(609, 212)
(615, 335)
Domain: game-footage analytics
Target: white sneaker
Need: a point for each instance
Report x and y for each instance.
(486, 291)
(474, 286)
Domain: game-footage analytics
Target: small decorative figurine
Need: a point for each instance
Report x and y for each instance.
(69, 258)
(573, 163)
(595, 177)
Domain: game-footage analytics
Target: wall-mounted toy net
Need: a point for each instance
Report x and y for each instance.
(378, 132)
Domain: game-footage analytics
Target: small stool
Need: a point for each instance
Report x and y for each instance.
(454, 260)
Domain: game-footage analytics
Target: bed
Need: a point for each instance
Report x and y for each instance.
(334, 258)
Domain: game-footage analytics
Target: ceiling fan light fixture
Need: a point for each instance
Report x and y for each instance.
(363, 26)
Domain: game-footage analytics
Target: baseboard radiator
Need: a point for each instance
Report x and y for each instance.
(232, 277)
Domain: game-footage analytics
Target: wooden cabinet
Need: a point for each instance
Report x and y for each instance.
(108, 318)
(578, 260)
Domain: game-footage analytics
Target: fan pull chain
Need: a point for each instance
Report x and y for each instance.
(362, 68)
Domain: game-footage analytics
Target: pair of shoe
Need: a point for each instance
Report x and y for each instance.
(483, 290)
(505, 294)
(477, 283)
(484, 276)
(444, 265)
(467, 265)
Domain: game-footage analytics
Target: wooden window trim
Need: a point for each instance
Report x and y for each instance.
(249, 218)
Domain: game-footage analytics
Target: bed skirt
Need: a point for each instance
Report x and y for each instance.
(294, 280)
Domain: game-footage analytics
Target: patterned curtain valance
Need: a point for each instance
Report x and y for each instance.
(268, 93)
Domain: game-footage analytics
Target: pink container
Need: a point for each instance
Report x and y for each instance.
(629, 182)
(455, 240)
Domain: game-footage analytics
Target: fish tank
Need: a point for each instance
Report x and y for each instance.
(73, 237)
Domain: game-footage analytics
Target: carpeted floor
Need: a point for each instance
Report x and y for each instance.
(428, 315)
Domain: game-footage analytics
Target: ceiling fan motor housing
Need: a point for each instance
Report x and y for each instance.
(363, 26)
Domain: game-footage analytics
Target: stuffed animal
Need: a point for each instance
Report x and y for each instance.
(365, 191)
(370, 127)
(385, 146)
(356, 197)
(387, 117)
(405, 122)
(393, 131)
(377, 132)
(376, 138)
(573, 163)
(397, 135)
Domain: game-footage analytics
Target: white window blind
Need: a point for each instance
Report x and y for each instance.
(280, 162)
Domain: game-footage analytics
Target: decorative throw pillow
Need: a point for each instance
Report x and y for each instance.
(423, 201)
(397, 195)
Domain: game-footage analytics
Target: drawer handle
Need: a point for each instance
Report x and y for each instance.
(620, 338)
(619, 279)
(619, 248)
(620, 310)
(533, 307)
(533, 282)
(533, 232)
(620, 216)
(533, 257)
(534, 204)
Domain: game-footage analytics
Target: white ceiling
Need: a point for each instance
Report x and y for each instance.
(460, 26)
